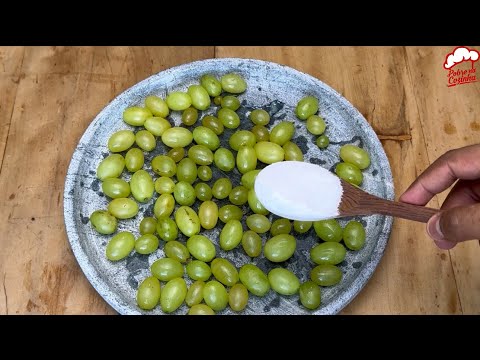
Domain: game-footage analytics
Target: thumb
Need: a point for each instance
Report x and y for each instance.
(454, 225)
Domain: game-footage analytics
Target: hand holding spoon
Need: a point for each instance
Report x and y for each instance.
(307, 192)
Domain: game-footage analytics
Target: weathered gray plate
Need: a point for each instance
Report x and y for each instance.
(275, 88)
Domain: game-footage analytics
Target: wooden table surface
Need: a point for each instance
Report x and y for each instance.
(49, 95)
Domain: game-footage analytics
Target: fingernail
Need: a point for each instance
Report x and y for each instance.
(433, 229)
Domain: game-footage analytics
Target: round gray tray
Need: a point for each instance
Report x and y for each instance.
(275, 88)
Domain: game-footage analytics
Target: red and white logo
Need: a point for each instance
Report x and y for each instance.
(462, 74)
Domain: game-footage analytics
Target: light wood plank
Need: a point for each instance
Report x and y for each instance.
(11, 59)
(450, 117)
(60, 92)
(413, 277)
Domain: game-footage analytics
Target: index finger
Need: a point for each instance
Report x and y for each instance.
(463, 163)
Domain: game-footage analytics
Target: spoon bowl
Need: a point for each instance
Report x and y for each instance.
(307, 192)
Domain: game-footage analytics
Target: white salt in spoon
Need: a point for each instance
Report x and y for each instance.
(307, 192)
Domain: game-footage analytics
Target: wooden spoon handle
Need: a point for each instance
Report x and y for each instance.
(402, 210)
(357, 202)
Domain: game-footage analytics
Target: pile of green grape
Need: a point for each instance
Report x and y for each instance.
(183, 176)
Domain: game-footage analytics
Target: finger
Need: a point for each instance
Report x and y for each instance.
(463, 163)
(465, 192)
(451, 226)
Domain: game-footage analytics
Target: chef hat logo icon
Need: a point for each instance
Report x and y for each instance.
(459, 55)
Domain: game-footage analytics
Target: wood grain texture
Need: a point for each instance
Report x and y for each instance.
(11, 59)
(51, 94)
(355, 201)
(59, 91)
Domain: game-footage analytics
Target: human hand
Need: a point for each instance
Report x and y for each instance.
(459, 219)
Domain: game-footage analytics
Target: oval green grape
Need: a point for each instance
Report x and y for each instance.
(199, 96)
(148, 293)
(157, 125)
(123, 208)
(148, 225)
(310, 295)
(157, 106)
(134, 159)
(248, 179)
(328, 230)
(233, 83)
(166, 269)
(280, 248)
(215, 295)
(136, 115)
(349, 173)
(238, 297)
(211, 84)
(164, 165)
(115, 188)
(246, 159)
(258, 223)
(120, 246)
(316, 125)
(281, 226)
(354, 155)
(230, 102)
(187, 170)
(195, 293)
(306, 107)
(282, 132)
(238, 195)
(332, 253)
(231, 235)
(208, 214)
(254, 279)
(198, 270)
(188, 222)
(164, 206)
(260, 117)
(203, 192)
(184, 193)
(146, 244)
(255, 204)
(201, 248)
(204, 173)
(103, 222)
(206, 137)
(178, 101)
(177, 251)
(167, 229)
(224, 159)
(326, 275)
(224, 271)
(177, 137)
(121, 140)
(142, 187)
(230, 212)
(252, 243)
(292, 152)
(200, 154)
(111, 167)
(242, 138)
(145, 140)
(354, 235)
(269, 152)
(283, 281)
(173, 295)
(229, 118)
(222, 188)
(164, 185)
